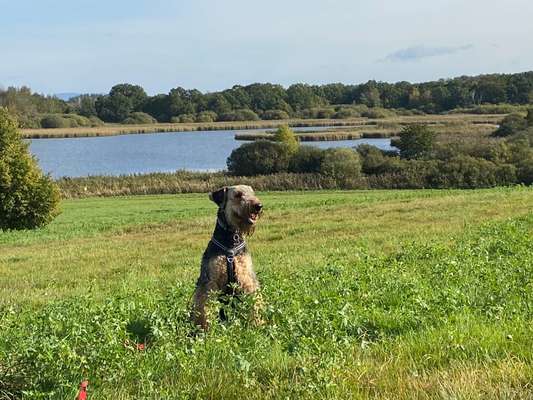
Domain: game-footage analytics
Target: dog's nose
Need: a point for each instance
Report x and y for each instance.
(258, 207)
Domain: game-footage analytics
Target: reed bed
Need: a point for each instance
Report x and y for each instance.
(117, 129)
(382, 129)
(188, 182)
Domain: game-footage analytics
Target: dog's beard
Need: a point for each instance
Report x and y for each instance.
(246, 222)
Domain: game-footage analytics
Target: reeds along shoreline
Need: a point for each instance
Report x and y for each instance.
(113, 130)
(189, 182)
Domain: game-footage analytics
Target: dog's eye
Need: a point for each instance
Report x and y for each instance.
(238, 195)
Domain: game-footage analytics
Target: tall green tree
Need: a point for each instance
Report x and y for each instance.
(416, 141)
(28, 198)
(123, 99)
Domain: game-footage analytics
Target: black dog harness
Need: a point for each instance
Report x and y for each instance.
(231, 244)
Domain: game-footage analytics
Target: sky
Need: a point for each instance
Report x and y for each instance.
(56, 46)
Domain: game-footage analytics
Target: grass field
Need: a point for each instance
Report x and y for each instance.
(362, 125)
(369, 294)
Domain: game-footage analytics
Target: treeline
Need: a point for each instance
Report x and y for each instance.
(128, 103)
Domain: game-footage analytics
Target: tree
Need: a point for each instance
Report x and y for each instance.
(123, 99)
(28, 199)
(302, 97)
(416, 141)
(287, 138)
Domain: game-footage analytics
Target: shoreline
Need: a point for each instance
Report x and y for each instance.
(118, 129)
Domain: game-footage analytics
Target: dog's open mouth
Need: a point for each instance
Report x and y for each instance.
(252, 218)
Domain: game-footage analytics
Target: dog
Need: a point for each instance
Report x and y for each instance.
(226, 265)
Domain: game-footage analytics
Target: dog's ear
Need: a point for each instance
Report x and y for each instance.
(218, 196)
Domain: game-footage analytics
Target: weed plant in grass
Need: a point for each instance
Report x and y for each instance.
(386, 294)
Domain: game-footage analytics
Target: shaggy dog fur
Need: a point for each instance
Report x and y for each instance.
(238, 212)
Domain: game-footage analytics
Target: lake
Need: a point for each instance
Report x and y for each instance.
(157, 152)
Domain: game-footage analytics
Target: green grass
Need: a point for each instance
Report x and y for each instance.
(369, 294)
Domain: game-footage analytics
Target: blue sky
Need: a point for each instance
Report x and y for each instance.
(87, 46)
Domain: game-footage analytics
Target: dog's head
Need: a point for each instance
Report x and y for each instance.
(240, 206)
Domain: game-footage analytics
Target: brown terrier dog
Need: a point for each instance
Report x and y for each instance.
(226, 263)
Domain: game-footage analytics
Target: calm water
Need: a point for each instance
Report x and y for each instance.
(158, 152)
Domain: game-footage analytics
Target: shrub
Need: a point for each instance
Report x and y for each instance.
(341, 164)
(262, 157)
(75, 120)
(186, 118)
(467, 172)
(95, 121)
(275, 115)
(54, 121)
(139, 118)
(206, 116)
(287, 138)
(28, 199)
(415, 141)
(244, 114)
(524, 171)
(318, 113)
(307, 159)
(529, 117)
(377, 113)
(29, 121)
(346, 112)
(510, 125)
(373, 160)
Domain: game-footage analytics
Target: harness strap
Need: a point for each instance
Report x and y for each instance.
(230, 253)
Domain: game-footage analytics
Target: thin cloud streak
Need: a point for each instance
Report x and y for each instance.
(416, 53)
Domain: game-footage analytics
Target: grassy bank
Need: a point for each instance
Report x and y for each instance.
(385, 294)
(116, 129)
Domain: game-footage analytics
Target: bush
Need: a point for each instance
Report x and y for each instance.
(307, 159)
(524, 171)
(262, 157)
(139, 118)
(28, 199)
(489, 109)
(75, 120)
(95, 121)
(184, 119)
(54, 121)
(287, 138)
(244, 114)
(206, 116)
(318, 113)
(346, 112)
(511, 124)
(378, 113)
(415, 141)
(275, 115)
(529, 118)
(341, 164)
(29, 121)
(467, 172)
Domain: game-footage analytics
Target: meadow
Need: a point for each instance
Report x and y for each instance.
(368, 294)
